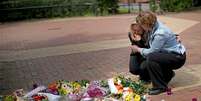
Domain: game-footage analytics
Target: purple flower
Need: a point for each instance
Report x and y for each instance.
(95, 91)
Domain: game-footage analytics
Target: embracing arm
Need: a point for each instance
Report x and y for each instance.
(156, 45)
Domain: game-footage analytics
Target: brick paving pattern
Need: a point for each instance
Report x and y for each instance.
(100, 64)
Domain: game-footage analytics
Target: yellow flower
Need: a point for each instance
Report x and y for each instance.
(129, 97)
(137, 98)
(63, 91)
(76, 85)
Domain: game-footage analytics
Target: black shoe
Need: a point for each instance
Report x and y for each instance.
(169, 79)
(156, 91)
(152, 89)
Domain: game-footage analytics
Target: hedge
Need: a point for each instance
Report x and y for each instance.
(175, 5)
(28, 9)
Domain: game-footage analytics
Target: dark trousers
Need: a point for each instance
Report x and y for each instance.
(136, 66)
(156, 66)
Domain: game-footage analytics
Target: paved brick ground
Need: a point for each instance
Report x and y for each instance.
(17, 36)
(181, 95)
(30, 35)
(89, 65)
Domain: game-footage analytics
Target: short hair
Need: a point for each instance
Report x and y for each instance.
(146, 18)
(136, 29)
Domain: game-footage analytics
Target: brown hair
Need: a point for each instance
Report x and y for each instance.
(146, 18)
(136, 29)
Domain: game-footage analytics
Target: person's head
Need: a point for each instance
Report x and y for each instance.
(147, 20)
(136, 29)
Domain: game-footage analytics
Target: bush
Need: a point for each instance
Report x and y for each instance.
(175, 5)
(109, 6)
(28, 9)
(153, 5)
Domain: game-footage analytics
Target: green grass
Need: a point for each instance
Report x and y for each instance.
(123, 10)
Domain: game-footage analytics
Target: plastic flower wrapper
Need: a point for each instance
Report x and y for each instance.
(51, 97)
(35, 91)
(95, 90)
(86, 97)
(75, 97)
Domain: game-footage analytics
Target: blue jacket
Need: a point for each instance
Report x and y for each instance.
(162, 39)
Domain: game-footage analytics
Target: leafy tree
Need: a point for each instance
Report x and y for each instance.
(175, 5)
(153, 5)
(110, 6)
(28, 9)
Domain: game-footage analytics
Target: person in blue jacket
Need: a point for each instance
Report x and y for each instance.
(163, 54)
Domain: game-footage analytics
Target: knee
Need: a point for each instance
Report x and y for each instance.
(151, 57)
(134, 70)
(144, 64)
(149, 65)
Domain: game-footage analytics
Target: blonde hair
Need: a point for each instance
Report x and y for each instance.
(146, 18)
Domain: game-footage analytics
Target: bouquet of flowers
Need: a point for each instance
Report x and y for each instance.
(118, 88)
(125, 89)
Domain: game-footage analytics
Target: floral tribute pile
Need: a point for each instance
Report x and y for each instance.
(118, 88)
